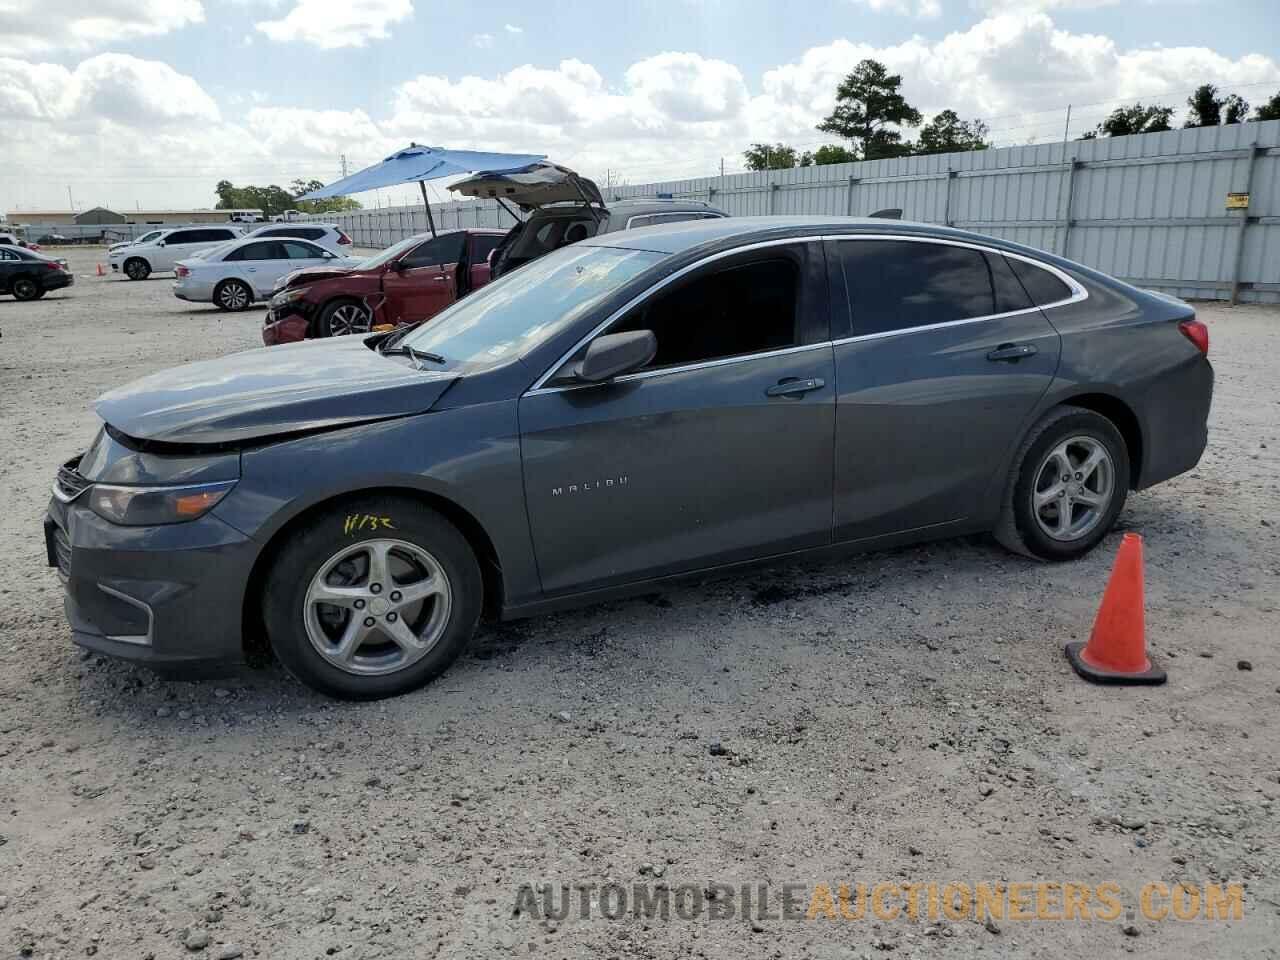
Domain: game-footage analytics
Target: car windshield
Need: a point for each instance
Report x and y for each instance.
(516, 312)
(389, 254)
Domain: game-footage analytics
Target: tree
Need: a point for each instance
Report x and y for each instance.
(1206, 107)
(1269, 110)
(275, 200)
(833, 154)
(1136, 119)
(868, 108)
(947, 133)
(1236, 109)
(771, 156)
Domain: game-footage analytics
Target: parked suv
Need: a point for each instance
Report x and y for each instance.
(138, 261)
(565, 208)
(326, 235)
(413, 280)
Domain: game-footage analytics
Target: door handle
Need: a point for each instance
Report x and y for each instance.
(793, 387)
(1012, 352)
(441, 277)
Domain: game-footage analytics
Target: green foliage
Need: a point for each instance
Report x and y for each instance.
(947, 133)
(1269, 110)
(275, 200)
(868, 105)
(1136, 119)
(771, 156)
(833, 154)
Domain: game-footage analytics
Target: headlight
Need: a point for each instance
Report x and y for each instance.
(286, 296)
(148, 506)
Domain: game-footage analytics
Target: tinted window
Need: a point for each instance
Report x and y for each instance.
(443, 249)
(296, 250)
(482, 245)
(1009, 293)
(263, 250)
(181, 236)
(306, 233)
(1041, 285)
(898, 284)
(649, 219)
(739, 310)
(6, 255)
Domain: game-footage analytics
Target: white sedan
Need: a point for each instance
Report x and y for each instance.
(236, 274)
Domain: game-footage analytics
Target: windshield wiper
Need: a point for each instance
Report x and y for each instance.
(419, 355)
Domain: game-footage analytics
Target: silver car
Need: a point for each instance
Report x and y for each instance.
(236, 274)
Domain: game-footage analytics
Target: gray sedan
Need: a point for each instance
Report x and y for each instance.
(634, 407)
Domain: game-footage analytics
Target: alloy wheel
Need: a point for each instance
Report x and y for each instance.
(137, 270)
(233, 296)
(377, 606)
(349, 318)
(25, 289)
(1074, 487)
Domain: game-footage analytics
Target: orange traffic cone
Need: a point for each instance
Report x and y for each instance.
(1117, 648)
(101, 272)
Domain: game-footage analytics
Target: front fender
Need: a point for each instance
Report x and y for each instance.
(468, 456)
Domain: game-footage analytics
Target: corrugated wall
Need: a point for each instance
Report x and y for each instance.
(1150, 209)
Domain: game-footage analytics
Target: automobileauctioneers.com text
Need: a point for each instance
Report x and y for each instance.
(929, 901)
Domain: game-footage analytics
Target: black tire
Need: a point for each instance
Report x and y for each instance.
(1019, 528)
(135, 268)
(232, 295)
(25, 288)
(329, 321)
(314, 546)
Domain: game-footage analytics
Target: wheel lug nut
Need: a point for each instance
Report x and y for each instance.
(1079, 476)
(375, 588)
(359, 604)
(395, 596)
(368, 621)
(392, 618)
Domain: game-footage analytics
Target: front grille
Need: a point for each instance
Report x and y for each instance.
(62, 552)
(69, 484)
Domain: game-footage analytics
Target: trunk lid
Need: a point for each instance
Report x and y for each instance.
(533, 187)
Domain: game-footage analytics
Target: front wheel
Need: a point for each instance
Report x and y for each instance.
(137, 269)
(372, 599)
(233, 295)
(1069, 483)
(343, 317)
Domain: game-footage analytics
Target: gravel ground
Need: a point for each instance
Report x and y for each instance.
(904, 716)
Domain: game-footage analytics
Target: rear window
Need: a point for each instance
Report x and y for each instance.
(1042, 286)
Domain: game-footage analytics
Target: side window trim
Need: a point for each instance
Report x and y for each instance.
(1078, 292)
(539, 385)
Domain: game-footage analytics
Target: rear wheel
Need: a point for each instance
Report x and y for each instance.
(343, 317)
(372, 599)
(232, 295)
(135, 268)
(1069, 483)
(24, 288)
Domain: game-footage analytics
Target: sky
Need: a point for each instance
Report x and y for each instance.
(148, 103)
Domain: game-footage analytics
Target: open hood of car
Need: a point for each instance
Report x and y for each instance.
(272, 392)
(302, 277)
(536, 186)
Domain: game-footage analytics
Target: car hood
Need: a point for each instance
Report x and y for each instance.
(311, 274)
(537, 186)
(272, 392)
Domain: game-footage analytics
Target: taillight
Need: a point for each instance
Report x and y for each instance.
(343, 238)
(1197, 333)
(53, 265)
(182, 272)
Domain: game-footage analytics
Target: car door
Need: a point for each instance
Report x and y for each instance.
(295, 255)
(169, 249)
(719, 450)
(945, 359)
(256, 263)
(423, 281)
(482, 245)
(9, 264)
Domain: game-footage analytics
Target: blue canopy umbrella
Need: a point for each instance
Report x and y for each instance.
(423, 164)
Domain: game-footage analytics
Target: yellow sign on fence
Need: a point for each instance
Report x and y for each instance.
(1237, 201)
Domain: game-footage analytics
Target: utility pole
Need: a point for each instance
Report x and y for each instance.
(1066, 131)
(342, 161)
(722, 168)
(71, 203)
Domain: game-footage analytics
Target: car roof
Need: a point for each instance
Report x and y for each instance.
(296, 223)
(735, 231)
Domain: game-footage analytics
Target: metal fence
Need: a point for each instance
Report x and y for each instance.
(1151, 209)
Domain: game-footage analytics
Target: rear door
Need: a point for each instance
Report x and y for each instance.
(9, 264)
(424, 282)
(296, 255)
(944, 361)
(482, 245)
(719, 450)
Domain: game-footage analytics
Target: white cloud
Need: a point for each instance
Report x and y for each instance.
(482, 40)
(39, 26)
(922, 9)
(330, 24)
(512, 28)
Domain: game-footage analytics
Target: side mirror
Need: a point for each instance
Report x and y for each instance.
(615, 354)
(159, 243)
(397, 265)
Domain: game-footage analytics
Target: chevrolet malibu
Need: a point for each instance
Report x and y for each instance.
(634, 407)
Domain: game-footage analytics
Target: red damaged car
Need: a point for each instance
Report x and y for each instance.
(413, 280)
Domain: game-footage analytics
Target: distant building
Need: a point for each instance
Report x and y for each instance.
(101, 215)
